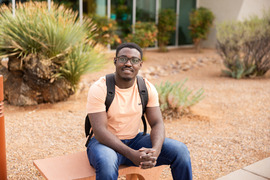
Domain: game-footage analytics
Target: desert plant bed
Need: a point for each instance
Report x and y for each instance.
(227, 130)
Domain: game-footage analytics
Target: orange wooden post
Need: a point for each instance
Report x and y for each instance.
(3, 165)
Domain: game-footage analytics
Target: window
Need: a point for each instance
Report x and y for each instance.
(169, 4)
(121, 11)
(146, 10)
(185, 8)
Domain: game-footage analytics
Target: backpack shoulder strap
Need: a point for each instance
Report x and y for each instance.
(144, 99)
(110, 83)
(143, 92)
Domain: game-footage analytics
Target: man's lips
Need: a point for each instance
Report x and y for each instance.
(128, 70)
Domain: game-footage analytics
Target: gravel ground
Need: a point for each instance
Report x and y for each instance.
(229, 129)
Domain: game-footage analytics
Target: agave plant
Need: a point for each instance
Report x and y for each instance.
(77, 63)
(48, 52)
(177, 98)
(34, 29)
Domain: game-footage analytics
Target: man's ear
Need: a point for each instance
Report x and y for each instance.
(141, 64)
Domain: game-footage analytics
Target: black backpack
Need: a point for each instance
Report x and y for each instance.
(110, 83)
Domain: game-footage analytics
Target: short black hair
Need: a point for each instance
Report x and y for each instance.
(129, 45)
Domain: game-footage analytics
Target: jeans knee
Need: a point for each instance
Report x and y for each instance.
(183, 154)
(179, 151)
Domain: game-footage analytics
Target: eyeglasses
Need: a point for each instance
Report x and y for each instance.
(124, 59)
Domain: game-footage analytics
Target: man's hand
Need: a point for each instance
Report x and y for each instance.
(148, 158)
(144, 157)
(135, 157)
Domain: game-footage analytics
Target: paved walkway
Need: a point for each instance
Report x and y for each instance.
(257, 171)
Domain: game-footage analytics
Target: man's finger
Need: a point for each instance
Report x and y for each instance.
(147, 150)
(148, 164)
(148, 158)
(142, 149)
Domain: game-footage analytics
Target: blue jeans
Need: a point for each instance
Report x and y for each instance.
(106, 161)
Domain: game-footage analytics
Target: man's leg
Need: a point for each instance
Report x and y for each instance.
(177, 154)
(173, 153)
(104, 160)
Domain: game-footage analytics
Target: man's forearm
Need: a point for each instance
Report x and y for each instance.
(157, 133)
(157, 137)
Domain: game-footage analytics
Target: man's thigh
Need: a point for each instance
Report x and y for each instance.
(101, 154)
(140, 141)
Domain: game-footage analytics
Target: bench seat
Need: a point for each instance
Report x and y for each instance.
(76, 166)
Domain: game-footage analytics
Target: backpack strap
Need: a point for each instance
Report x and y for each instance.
(110, 83)
(144, 99)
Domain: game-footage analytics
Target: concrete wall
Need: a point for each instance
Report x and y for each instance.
(226, 10)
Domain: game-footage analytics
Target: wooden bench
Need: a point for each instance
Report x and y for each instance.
(76, 166)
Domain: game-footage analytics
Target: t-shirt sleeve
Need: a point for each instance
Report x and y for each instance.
(96, 97)
(153, 100)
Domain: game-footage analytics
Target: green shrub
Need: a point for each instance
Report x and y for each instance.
(201, 20)
(244, 46)
(35, 30)
(48, 51)
(77, 63)
(106, 30)
(176, 98)
(145, 34)
(166, 25)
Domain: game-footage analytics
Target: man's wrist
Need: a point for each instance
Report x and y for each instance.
(129, 153)
(157, 151)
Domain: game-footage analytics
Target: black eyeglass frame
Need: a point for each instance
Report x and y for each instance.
(130, 59)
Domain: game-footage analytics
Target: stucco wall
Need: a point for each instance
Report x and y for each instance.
(225, 10)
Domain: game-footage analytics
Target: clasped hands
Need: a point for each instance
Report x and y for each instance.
(148, 158)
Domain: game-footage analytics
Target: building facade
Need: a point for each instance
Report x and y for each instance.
(231, 10)
(128, 12)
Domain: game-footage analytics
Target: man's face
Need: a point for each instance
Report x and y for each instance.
(128, 71)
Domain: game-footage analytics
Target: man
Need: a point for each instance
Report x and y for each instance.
(117, 139)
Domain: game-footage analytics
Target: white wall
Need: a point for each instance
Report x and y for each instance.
(226, 10)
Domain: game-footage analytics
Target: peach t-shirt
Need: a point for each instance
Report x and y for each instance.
(124, 114)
